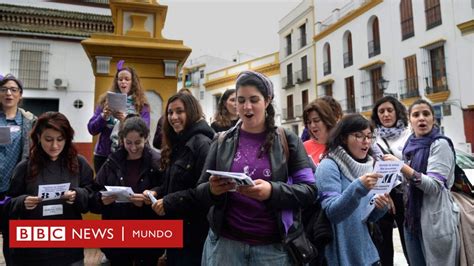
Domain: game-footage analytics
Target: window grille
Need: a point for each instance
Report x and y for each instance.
(30, 63)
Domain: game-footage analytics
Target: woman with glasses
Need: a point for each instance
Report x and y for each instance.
(346, 179)
(390, 119)
(431, 216)
(19, 123)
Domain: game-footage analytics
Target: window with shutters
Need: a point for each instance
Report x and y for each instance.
(406, 19)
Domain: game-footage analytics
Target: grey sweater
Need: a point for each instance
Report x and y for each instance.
(439, 213)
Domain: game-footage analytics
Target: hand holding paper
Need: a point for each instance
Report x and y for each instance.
(123, 194)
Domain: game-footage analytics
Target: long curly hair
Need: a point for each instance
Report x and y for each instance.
(38, 157)
(257, 82)
(193, 114)
(138, 95)
(222, 117)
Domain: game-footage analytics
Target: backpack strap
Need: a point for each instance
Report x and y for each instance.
(284, 142)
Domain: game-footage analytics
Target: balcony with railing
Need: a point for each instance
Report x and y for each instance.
(437, 89)
(408, 89)
(367, 97)
(374, 48)
(326, 68)
(288, 113)
(302, 76)
(287, 82)
(347, 59)
(298, 110)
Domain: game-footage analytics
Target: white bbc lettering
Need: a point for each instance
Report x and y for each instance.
(41, 233)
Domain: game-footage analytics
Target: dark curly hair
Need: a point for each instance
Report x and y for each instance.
(38, 157)
(400, 111)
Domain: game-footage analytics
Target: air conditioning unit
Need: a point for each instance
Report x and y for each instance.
(60, 83)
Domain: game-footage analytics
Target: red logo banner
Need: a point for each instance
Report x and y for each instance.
(96, 233)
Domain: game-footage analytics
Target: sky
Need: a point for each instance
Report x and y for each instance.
(213, 27)
(221, 28)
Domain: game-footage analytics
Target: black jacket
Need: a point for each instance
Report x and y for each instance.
(283, 196)
(21, 187)
(181, 177)
(112, 173)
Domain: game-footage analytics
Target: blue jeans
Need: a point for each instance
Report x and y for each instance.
(414, 245)
(224, 251)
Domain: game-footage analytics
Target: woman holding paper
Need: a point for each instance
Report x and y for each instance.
(226, 115)
(249, 226)
(390, 119)
(134, 165)
(20, 122)
(104, 120)
(186, 142)
(346, 177)
(431, 216)
(53, 161)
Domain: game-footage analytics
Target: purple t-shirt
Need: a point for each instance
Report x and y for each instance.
(247, 219)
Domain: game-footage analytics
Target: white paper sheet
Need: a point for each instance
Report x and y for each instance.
(117, 101)
(5, 136)
(123, 193)
(240, 178)
(53, 191)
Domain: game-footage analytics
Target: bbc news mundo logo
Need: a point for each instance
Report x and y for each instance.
(41, 233)
(96, 234)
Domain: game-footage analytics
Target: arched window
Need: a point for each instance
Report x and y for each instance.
(374, 37)
(327, 59)
(347, 48)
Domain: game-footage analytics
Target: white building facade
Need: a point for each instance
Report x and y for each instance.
(40, 45)
(193, 77)
(297, 60)
(220, 80)
(366, 49)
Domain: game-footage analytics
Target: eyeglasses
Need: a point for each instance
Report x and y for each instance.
(13, 90)
(361, 137)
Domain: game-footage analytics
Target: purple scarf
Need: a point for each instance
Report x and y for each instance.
(417, 151)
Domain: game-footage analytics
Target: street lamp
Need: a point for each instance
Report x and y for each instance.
(383, 83)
